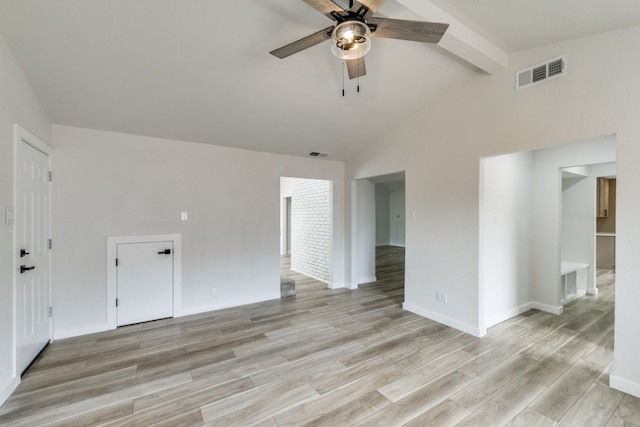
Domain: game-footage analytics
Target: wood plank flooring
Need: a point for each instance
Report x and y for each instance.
(334, 358)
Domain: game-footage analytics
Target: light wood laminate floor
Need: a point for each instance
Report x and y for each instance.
(334, 358)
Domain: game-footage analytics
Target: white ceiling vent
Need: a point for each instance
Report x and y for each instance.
(551, 69)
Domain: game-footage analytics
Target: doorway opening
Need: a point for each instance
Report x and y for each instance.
(379, 229)
(306, 227)
(536, 228)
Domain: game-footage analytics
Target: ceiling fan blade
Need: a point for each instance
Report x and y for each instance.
(426, 32)
(371, 5)
(356, 67)
(302, 44)
(326, 7)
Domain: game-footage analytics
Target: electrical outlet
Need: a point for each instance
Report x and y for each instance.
(184, 216)
(441, 297)
(214, 292)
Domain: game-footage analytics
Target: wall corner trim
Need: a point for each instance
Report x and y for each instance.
(624, 385)
(461, 326)
(548, 308)
(8, 389)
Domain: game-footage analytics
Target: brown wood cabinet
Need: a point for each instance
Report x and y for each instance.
(603, 197)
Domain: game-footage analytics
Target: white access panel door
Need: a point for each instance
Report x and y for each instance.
(144, 281)
(33, 277)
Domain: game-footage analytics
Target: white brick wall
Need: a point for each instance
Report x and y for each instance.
(311, 228)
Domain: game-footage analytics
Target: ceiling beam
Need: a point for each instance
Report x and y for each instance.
(459, 39)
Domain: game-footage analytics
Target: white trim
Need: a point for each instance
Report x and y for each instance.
(334, 285)
(70, 333)
(547, 308)
(21, 135)
(306, 273)
(469, 329)
(507, 314)
(10, 388)
(365, 280)
(624, 385)
(112, 275)
(198, 310)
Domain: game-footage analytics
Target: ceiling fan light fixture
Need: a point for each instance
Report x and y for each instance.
(351, 40)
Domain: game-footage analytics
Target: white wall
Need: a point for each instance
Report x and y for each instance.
(546, 214)
(397, 218)
(505, 202)
(311, 214)
(485, 117)
(363, 257)
(117, 184)
(383, 211)
(285, 192)
(578, 223)
(18, 104)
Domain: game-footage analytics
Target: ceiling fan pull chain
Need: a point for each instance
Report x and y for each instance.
(344, 65)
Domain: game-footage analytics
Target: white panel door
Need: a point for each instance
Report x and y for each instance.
(33, 278)
(144, 281)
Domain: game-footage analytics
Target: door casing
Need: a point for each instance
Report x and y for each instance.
(22, 136)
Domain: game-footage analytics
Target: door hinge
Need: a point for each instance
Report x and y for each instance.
(50, 176)
(50, 244)
(50, 311)
(116, 302)
(116, 262)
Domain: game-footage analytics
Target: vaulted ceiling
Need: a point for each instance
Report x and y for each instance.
(200, 70)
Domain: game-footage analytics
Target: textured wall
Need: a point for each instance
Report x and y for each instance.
(311, 228)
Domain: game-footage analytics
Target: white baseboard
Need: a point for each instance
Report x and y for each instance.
(548, 308)
(625, 386)
(333, 285)
(310, 275)
(507, 314)
(198, 310)
(70, 333)
(8, 389)
(593, 291)
(363, 280)
(469, 329)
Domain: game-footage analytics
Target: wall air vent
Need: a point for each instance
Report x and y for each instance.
(318, 154)
(556, 67)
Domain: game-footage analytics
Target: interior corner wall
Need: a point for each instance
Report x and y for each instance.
(285, 192)
(578, 223)
(18, 104)
(363, 235)
(505, 191)
(484, 116)
(113, 184)
(311, 214)
(383, 211)
(397, 218)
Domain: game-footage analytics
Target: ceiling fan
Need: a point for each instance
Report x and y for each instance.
(354, 27)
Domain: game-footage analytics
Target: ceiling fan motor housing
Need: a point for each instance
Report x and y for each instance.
(351, 39)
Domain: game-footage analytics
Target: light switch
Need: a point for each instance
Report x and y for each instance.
(184, 216)
(9, 216)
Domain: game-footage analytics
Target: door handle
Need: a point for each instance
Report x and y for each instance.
(165, 252)
(24, 268)
(23, 253)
